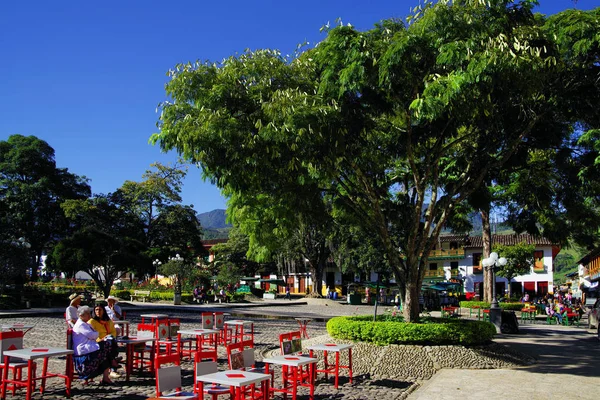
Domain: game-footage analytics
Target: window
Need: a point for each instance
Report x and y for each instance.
(477, 268)
(433, 266)
(453, 264)
(538, 261)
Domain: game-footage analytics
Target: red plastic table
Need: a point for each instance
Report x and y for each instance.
(337, 348)
(303, 322)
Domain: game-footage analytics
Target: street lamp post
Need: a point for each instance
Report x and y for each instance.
(156, 264)
(495, 311)
(177, 287)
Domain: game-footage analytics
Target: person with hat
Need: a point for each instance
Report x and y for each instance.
(113, 310)
(71, 313)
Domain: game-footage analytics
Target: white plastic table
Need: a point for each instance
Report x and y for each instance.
(17, 327)
(239, 329)
(33, 354)
(153, 317)
(336, 348)
(124, 323)
(130, 344)
(236, 379)
(203, 352)
(295, 363)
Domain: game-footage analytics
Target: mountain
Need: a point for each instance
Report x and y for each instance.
(214, 219)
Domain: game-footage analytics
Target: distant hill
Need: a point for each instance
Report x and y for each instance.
(214, 219)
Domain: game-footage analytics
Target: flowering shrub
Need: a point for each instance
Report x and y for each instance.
(393, 314)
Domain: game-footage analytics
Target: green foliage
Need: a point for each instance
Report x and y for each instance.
(471, 304)
(432, 332)
(123, 294)
(519, 260)
(394, 127)
(483, 304)
(32, 189)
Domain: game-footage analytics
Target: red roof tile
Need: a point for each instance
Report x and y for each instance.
(507, 240)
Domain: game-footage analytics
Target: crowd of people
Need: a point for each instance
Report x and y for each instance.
(202, 294)
(556, 305)
(94, 338)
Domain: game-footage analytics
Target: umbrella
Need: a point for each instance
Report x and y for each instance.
(438, 287)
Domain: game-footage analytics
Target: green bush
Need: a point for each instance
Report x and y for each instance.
(433, 331)
(511, 306)
(484, 304)
(121, 294)
(471, 304)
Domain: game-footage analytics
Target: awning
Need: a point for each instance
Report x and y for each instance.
(273, 281)
(249, 278)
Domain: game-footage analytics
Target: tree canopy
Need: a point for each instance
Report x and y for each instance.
(398, 125)
(32, 189)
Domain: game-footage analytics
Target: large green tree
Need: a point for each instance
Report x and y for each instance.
(107, 241)
(32, 189)
(398, 124)
(519, 260)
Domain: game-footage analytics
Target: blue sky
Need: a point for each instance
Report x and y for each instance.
(87, 76)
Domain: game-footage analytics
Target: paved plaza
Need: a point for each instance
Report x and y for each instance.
(562, 354)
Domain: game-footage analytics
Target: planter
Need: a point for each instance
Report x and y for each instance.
(354, 299)
(177, 299)
(271, 296)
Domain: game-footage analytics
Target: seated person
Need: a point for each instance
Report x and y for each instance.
(106, 333)
(553, 314)
(71, 312)
(91, 358)
(114, 312)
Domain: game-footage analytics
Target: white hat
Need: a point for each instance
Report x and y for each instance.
(112, 298)
(74, 297)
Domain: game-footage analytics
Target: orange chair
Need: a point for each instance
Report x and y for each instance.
(169, 378)
(240, 355)
(219, 324)
(174, 327)
(291, 343)
(214, 390)
(139, 352)
(13, 340)
(164, 341)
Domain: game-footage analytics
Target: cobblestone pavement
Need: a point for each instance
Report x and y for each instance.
(49, 330)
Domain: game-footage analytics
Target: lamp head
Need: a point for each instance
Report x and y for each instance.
(502, 261)
(494, 256)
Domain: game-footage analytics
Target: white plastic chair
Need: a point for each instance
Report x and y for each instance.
(169, 378)
(205, 368)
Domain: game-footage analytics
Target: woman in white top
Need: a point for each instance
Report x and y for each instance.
(91, 357)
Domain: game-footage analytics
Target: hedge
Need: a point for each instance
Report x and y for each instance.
(484, 304)
(432, 331)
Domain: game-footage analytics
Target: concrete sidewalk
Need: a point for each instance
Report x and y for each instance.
(568, 366)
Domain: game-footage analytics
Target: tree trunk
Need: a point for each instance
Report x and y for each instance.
(316, 272)
(411, 303)
(487, 249)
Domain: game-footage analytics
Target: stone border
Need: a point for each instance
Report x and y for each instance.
(414, 363)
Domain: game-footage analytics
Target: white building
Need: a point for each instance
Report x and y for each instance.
(459, 257)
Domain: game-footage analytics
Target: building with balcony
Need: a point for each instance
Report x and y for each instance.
(460, 257)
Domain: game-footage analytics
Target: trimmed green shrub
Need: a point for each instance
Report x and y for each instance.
(484, 304)
(511, 306)
(471, 304)
(432, 331)
(121, 294)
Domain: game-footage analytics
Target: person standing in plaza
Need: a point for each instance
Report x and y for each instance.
(287, 293)
(71, 312)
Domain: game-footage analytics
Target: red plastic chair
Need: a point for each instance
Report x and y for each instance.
(13, 340)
